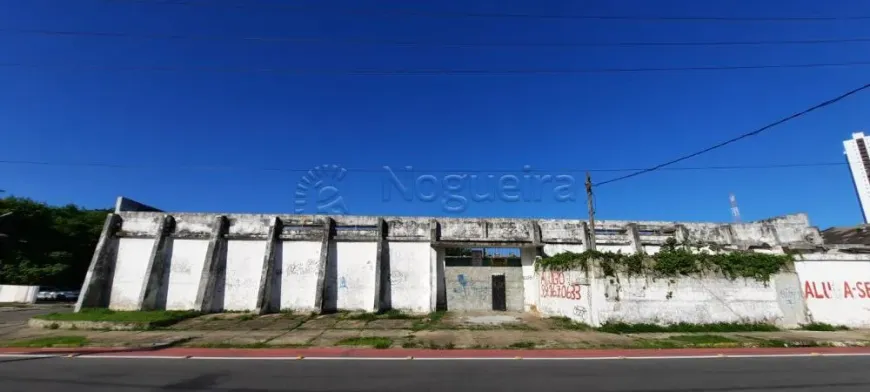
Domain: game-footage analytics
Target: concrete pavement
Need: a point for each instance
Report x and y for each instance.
(830, 374)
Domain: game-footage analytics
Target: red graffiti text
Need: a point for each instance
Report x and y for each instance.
(553, 285)
(836, 290)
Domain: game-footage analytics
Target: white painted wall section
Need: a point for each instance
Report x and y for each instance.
(836, 292)
(130, 267)
(300, 262)
(410, 276)
(697, 300)
(18, 293)
(354, 280)
(244, 267)
(185, 271)
(564, 294)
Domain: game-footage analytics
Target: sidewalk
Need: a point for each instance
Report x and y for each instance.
(469, 331)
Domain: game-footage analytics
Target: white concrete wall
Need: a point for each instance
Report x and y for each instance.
(410, 276)
(836, 292)
(18, 293)
(564, 294)
(185, 270)
(242, 280)
(692, 299)
(300, 262)
(353, 281)
(130, 267)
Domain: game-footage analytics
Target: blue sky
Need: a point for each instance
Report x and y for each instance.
(164, 127)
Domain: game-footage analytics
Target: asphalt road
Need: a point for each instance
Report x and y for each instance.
(829, 374)
(13, 319)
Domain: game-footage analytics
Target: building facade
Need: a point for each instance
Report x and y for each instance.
(859, 165)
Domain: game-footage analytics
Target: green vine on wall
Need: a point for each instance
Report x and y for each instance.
(673, 260)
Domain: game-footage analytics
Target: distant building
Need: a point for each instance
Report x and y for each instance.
(859, 164)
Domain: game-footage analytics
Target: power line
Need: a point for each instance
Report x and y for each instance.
(399, 12)
(743, 136)
(398, 169)
(417, 71)
(356, 41)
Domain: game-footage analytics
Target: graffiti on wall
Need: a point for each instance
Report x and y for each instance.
(554, 285)
(838, 290)
(470, 287)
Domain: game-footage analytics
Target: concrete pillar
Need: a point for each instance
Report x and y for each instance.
(772, 229)
(380, 271)
(213, 267)
(436, 269)
(634, 237)
(681, 234)
(96, 286)
(585, 238)
(328, 228)
(264, 293)
(155, 272)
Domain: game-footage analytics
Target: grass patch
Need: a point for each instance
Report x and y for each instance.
(525, 344)
(430, 321)
(247, 317)
(566, 323)
(392, 314)
(620, 327)
(657, 343)
(51, 341)
(823, 327)
(156, 317)
(410, 345)
(375, 342)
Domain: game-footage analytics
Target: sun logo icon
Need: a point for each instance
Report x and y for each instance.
(321, 180)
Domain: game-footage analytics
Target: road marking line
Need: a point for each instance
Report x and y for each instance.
(28, 355)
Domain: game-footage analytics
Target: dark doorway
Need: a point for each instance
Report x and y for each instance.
(499, 294)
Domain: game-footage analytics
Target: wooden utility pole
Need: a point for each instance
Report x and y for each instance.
(590, 204)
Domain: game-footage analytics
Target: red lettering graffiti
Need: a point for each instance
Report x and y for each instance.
(553, 286)
(831, 290)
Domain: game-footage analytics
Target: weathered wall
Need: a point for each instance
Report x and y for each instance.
(185, 270)
(836, 291)
(409, 285)
(129, 276)
(470, 288)
(18, 293)
(215, 262)
(696, 299)
(300, 261)
(241, 282)
(350, 276)
(564, 294)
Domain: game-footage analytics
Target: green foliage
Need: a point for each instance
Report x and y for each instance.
(620, 327)
(671, 261)
(823, 327)
(525, 344)
(566, 323)
(47, 245)
(51, 341)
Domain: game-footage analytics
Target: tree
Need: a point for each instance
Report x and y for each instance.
(47, 245)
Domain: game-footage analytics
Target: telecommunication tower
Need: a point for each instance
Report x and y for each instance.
(735, 212)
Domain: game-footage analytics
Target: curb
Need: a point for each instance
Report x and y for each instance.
(406, 354)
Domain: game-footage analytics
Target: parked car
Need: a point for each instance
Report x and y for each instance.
(48, 293)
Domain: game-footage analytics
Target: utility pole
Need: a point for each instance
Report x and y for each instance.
(591, 205)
